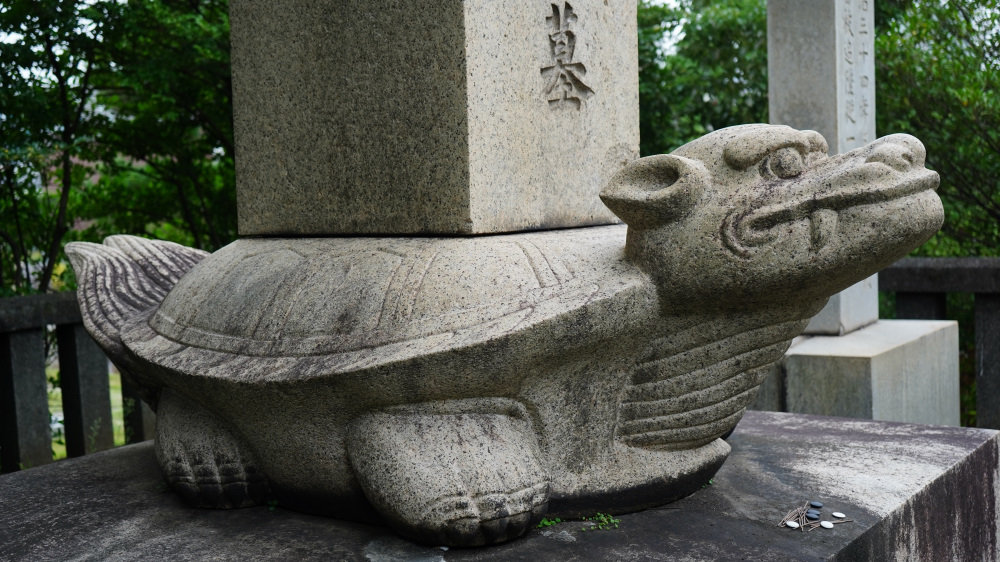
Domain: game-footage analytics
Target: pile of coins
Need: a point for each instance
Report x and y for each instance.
(808, 517)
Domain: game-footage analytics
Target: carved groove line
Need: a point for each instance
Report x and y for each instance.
(713, 381)
(660, 396)
(163, 262)
(688, 437)
(674, 363)
(713, 409)
(543, 273)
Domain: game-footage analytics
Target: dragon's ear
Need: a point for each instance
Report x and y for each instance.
(655, 190)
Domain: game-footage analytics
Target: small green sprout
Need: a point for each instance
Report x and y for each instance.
(601, 522)
(546, 522)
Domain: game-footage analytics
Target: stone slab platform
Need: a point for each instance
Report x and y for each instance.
(913, 492)
(892, 370)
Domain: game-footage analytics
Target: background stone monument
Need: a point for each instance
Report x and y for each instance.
(821, 76)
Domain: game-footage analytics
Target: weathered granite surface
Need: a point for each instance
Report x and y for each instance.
(460, 388)
(821, 76)
(892, 370)
(913, 492)
(430, 116)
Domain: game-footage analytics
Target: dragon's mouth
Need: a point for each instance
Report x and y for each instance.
(743, 231)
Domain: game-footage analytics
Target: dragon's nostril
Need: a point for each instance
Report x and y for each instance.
(894, 155)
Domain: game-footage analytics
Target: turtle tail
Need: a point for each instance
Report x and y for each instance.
(123, 278)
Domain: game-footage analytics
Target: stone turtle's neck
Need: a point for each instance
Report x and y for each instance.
(694, 384)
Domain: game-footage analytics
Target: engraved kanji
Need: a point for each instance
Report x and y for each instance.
(564, 84)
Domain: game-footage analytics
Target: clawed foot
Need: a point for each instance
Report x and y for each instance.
(489, 518)
(451, 473)
(202, 460)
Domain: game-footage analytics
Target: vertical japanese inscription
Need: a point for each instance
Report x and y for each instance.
(564, 77)
(857, 42)
(866, 42)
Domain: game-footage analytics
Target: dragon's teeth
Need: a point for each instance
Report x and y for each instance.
(822, 226)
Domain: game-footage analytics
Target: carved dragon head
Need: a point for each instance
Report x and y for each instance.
(761, 214)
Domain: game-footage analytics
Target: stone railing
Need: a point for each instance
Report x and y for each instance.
(921, 286)
(25, 436)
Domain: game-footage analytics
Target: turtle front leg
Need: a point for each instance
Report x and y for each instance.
(460, 472)
(204, 461)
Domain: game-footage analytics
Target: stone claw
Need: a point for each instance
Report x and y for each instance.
(203, 461)
(491, 518)
(462, 479)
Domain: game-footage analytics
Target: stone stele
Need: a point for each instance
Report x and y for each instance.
(461, 388)
(430, 116)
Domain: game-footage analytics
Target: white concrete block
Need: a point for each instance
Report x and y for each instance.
(848, 310)
(893, 370)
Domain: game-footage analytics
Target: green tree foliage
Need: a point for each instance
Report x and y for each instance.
(168, 155)
(938, 78)
(51, 54)
(114, 117)
(713, 75)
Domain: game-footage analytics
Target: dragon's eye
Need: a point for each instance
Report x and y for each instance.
(783, 163)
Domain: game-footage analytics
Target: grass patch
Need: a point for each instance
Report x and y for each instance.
(56, 411)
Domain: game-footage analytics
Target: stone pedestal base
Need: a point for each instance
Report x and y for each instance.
(848, 310)
(913, 493)
(893, 370)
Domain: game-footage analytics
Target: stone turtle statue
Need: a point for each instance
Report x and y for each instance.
(459, 389)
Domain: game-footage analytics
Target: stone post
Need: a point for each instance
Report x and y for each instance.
(25, 437)
(821, 76)
(85, 392)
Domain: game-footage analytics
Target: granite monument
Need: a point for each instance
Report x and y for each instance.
(459, 388)
(355, 354)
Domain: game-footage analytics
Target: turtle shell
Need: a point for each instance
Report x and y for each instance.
(328, 296)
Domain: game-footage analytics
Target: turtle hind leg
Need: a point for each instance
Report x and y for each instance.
(202, 460)
(460, 473)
